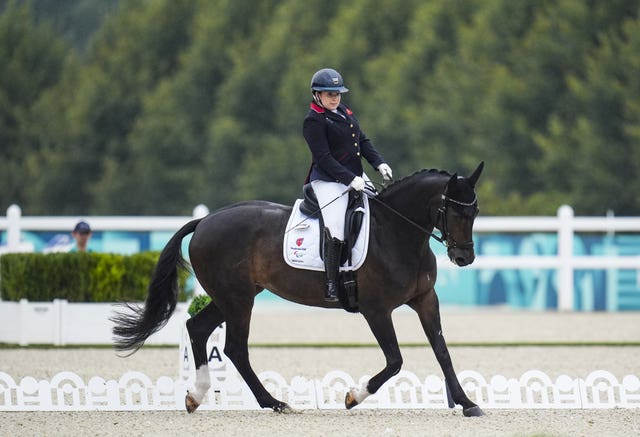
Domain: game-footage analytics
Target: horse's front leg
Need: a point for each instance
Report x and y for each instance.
(428, 309)
(381, 325)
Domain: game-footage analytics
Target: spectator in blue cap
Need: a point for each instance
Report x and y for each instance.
(81, 233)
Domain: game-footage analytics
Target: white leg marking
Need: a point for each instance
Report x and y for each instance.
(202, 384)
(360, 394)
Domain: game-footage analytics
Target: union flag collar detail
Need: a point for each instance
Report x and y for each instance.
(319, 109)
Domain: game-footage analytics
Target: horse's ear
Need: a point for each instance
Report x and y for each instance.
(473, 179)
(452, 180)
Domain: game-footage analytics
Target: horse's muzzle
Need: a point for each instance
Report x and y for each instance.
(461, 256)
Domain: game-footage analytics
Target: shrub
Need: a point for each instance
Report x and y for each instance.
(198, 303)
(79, 277)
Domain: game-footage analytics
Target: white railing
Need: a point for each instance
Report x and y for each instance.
(565, 261)
(63, 323)
(565, 225)
(14, 223)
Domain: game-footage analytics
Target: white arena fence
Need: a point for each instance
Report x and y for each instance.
(565, 261)
(64, 323)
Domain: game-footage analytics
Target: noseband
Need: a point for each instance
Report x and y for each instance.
(446, 239)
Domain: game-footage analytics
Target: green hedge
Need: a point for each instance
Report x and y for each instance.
(78, 276)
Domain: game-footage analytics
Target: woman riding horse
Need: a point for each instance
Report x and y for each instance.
(236, 253)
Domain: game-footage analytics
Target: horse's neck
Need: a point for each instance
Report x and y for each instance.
(416, 200)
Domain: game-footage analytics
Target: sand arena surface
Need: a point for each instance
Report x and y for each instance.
(315, 362)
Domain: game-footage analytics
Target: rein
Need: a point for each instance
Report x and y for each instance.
(407, 219)
(442, 217)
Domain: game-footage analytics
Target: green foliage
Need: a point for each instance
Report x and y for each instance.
(173, 103)
(31, 62)
(198, 303)
(78, 276)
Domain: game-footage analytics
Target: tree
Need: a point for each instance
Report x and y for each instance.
(31, 62)
(174, 103)
(596, 145)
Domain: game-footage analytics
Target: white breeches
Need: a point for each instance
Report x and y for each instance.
(333, 213)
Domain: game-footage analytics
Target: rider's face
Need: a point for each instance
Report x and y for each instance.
(330, 99)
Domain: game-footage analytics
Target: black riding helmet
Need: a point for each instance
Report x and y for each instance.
(327, 79)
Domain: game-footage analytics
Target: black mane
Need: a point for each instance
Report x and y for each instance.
(399, 183)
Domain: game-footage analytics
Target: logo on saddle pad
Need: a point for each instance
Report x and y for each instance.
(302, 242)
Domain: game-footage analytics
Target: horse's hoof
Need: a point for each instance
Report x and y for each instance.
(474, 411)
(190, 403)
(283, 408)
(350, 401)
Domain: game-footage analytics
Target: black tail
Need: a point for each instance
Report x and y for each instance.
(132, 330)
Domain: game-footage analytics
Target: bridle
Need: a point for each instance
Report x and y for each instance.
(445, 237)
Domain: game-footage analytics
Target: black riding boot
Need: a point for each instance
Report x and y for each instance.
(332, 250)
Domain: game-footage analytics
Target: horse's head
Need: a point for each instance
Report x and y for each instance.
(456, 215)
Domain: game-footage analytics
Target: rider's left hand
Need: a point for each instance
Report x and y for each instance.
(385, 171)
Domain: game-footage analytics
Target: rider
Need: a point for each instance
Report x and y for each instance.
(337, 145)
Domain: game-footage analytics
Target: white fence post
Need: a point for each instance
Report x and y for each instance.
(565, 255)
(14, 213)
(200, 211)
(60, 307)
(22, 320)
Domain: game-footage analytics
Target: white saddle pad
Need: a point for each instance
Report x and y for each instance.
(301, 246)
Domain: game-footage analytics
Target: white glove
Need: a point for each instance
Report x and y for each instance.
(385, 171)
(357, 183)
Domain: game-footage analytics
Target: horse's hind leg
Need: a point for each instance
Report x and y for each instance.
(428, 309)
(381, 325)
(238, 317)
(200, 328)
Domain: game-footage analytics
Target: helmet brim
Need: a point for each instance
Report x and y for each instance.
(338, 89)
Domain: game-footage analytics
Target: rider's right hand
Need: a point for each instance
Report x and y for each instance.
(357, 183)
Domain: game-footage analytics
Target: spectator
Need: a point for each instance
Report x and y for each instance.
(81, 233)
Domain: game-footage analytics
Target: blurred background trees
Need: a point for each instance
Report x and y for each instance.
(134, 107)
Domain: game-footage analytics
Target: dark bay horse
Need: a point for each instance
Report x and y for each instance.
(236, 252)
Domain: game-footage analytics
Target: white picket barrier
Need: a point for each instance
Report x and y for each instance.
(135, 391)
(534, 389)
